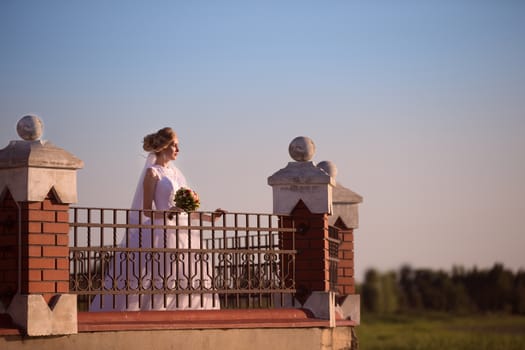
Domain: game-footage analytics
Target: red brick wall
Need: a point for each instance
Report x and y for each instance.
(345, 267)
(311, 263)
(44, 247)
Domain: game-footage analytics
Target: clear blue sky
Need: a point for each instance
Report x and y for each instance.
(420, 104)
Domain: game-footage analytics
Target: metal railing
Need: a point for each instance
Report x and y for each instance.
(234, 261)
(333, 256)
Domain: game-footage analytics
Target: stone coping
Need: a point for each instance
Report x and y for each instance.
(189, 319)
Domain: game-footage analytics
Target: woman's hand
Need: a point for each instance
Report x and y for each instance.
(176, 209)
(173, 210)
(218, 213)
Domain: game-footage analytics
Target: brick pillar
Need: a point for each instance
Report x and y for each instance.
(345, 219)
(318, 207)
(37, 184)
(304, 192)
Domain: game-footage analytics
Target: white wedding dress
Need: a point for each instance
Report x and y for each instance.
(173, 271)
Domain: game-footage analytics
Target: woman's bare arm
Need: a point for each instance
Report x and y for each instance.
(149, 184)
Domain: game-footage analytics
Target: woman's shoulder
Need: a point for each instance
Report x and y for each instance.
(152, 172)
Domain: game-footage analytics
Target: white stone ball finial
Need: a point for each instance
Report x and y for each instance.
(302, 149)
(30, 127)
(328, 167)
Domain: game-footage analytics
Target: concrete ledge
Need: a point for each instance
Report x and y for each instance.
(290, 338)
(33, 315)
(188, 320)
(351, 308)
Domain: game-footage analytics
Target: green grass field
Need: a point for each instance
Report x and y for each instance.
(441, 331)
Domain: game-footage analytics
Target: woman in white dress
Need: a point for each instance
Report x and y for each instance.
(159, 270)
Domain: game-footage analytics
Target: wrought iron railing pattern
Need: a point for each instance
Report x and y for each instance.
(333, 256)
(236, 258)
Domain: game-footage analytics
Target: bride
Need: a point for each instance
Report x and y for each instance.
(152, 270)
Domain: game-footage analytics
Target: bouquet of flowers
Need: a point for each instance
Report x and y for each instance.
(187, 199)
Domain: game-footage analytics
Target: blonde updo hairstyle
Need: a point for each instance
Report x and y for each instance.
(159, 140)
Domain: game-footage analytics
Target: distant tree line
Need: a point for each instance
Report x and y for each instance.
(496, 289)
